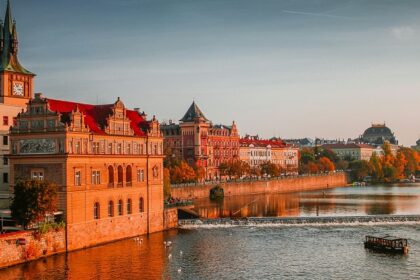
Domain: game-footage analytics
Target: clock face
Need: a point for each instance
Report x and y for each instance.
(18, 89)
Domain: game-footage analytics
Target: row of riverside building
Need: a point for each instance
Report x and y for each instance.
(106, 160)
(199, 142)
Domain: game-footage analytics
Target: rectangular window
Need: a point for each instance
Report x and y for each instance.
(77, 178)
(5, 177)
(96, 177)
(109, 148)
(128, 149)
(140, 175)
(95, 147)
(5, 140)
(5, 161)
(5, 120)
(119, 148)
(77, 147)
(37, 175)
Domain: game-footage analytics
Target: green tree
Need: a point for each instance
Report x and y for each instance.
(376, 168)
(330, 154)
(32, 201)
(359, 169)
(306, 155)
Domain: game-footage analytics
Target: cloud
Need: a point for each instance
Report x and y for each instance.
(403, 32)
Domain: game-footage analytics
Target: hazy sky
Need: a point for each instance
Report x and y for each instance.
(318, 68)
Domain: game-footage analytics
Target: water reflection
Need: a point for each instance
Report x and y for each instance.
(372, 200)
(126, 259)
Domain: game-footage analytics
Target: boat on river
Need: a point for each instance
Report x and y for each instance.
(387, 243)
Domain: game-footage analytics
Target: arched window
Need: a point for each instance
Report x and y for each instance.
(110, 174)
(129, 206)
(120, 175)
(120, 207)
(96, 210)
(141, 204)
(111, 208)
(128, 175)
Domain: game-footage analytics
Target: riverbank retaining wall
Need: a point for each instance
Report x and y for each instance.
(284, 185)
(19, 247)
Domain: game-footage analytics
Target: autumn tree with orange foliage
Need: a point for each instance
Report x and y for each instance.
(183, 173)
(325, 165)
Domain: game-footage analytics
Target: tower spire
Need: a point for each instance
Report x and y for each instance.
(8, 20)
(9, 58)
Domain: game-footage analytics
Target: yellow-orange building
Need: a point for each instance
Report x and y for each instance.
(257, 151)
(199, 142)
(105, 159)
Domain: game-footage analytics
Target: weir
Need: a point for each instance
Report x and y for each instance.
(279, 221)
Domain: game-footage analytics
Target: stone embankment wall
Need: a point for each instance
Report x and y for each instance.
(294, 184)
(31, 246)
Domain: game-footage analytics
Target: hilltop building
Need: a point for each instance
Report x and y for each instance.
(16, 89)
(377, 134)
(197, 141)
(106, 161)
(417, 146)
(257, 151)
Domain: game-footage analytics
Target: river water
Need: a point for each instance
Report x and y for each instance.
(400, 199)
(256, 252)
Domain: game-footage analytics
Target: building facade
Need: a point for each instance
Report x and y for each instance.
(377, 134)
(352, 151)
(16, 88)
(197, 141)
(256, 151)
(106, 161)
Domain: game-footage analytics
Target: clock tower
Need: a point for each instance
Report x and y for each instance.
(16, 83)
(16, 89)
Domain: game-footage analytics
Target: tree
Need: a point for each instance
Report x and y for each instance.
(342, 165)
(306, 155)
(166, 182)
(182, 173)
(32, 201)
(325, 164)
(223, 168)
(200, 173)
(270, 169)
(376, 168)
(330, 154)
(313, 167)
(359, 169)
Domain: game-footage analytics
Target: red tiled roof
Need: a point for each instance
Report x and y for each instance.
(96, 115)
(262, 143)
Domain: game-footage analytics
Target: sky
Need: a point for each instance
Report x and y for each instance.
(285, 68)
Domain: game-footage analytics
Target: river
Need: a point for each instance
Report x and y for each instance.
(257, 252)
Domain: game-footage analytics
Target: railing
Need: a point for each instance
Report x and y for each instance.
(119, 184)
(129, 184)
(111, 185)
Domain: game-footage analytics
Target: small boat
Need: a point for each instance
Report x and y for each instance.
(387, 243)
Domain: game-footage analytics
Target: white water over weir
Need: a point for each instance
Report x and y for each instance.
(288, 221)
